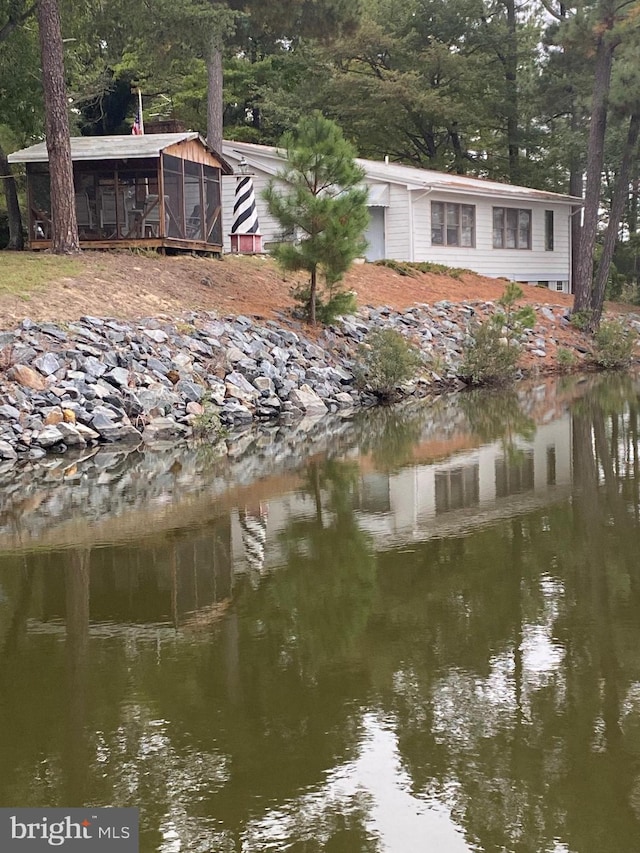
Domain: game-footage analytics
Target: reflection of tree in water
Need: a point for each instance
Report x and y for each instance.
(498, 415)
(504, 662)
(392, 436)
(517, 697)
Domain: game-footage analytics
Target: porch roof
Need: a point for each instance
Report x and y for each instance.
(113, 147)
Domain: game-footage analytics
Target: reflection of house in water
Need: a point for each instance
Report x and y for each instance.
(469, 488)
(181, 579)
(421, 501)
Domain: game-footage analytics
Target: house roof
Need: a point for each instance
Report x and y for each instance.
(113, 147)
(269, 159)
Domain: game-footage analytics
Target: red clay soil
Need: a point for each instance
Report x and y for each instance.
(126, 285)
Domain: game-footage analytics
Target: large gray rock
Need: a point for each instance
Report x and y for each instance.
(306, 399)
(164, 429)
(47, 363)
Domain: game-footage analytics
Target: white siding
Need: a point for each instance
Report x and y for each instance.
(526, 265)
(398, 232)
(407, 221)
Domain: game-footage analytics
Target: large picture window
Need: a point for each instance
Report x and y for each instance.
(453, 224)
(511, 228)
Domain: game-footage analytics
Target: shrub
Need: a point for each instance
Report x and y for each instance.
(207, 424)
(492, 354)
(489, 359)
(386, 360)
(566, 359)
(614, 345)
(581, 320)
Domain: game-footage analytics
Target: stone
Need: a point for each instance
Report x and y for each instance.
(71, 435)
(190, 390)
(47, 363)
(118, 376)
(27, 377)
(306, 399)
(49, 437)
(156, 335)
(164, 429)
(94, 367)
(7, 451)
(55, 416)
(9, 413)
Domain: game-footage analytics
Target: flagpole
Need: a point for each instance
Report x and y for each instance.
(140, 112)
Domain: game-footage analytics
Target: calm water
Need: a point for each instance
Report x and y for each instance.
(416, 632)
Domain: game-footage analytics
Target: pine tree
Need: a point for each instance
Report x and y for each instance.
(324, 205)
(63, 211)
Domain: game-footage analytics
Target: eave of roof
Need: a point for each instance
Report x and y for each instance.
(115, 148)
(410, 177)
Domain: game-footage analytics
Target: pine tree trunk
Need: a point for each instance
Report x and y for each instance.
(595, 159)
(511, 78)
(620, 195)
(16, 237)
(312, 296)
(214, 96)
(64, 237)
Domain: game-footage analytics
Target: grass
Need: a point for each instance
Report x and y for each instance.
(23, 272)
(415, 268)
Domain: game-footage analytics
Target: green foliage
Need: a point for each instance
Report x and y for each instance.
(322, 206)
(413, 269)
(385, 361)
(329, 306)
(581, 320)
(514, 319)
(207, 423)
(488, 359)
(614, 345)
(492, 354)
(566, 359)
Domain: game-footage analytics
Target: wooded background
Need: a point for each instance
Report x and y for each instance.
(540, 93)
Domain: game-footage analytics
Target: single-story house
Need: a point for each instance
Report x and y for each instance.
(495, 229)
(158, 190)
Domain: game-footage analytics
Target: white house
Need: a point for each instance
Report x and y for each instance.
(495, 229)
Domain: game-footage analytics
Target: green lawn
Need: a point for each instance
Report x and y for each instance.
(23, 272)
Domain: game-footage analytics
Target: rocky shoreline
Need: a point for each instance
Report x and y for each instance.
(102, 380)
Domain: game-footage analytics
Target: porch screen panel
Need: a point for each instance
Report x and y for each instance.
(213, 210)
(173, 196)
(193, 200)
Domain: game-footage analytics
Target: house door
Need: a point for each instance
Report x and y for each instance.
(374, 235)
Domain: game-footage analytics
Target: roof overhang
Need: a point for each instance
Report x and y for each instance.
(87, 148)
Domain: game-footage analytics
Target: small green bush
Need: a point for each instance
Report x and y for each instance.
(566, 359)
(581, 320)
(385, 360)
(492, 354)
(489, 359)
(207, 424)
(614, 345)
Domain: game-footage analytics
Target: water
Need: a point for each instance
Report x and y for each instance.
(414, 632)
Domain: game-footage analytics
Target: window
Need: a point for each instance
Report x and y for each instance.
(511, 228)
(560, 286)
(548, 230)
(453, 224)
